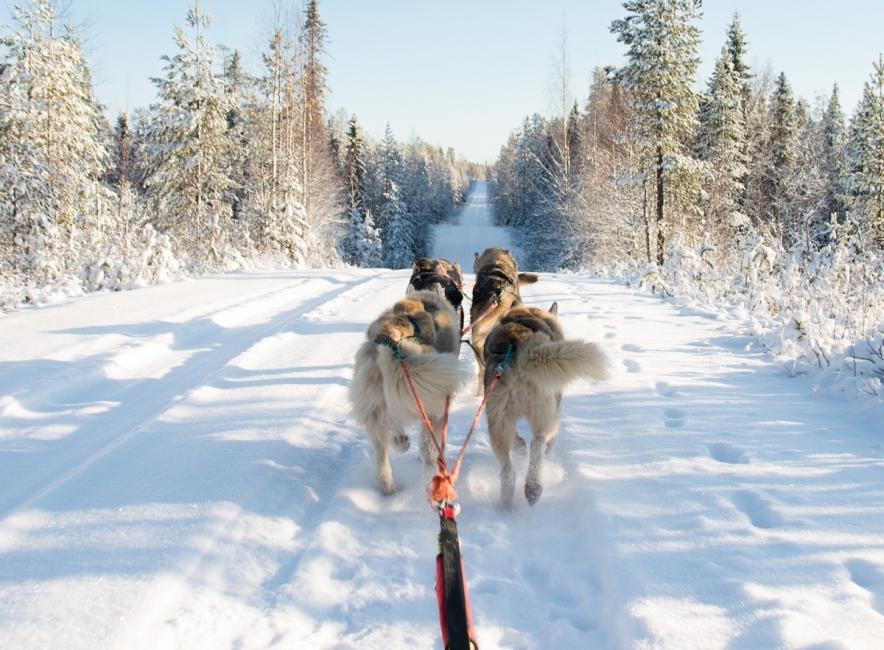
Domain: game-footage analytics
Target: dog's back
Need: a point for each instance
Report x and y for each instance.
(541, 356)
(422, 331)
(495, 292)
(535, 360)
(441, 276)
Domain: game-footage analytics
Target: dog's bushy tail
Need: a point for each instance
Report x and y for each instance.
(435, 376)
(528, 278)
(552, 365)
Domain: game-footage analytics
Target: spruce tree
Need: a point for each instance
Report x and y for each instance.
(662, 40)
(736, 48)
(866, 157)
(833, 151)
(400, 236)
(736, 45)
(188, 148)
(722, 142)
(53, 150)
(782, 146)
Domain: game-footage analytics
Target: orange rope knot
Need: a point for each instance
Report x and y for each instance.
(442, 488)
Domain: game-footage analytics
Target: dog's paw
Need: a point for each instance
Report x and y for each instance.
(533, 492)
(387, 488)
(402, 442)
(520, 446)
(385, 482)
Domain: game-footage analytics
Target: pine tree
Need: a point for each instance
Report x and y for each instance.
(662, 40)
(391, 159)
(391, 173)
(782, 146)
(53, 149)
(576, 152)
(238, 96)
(866, 156)
(354, 167)
(400, 236)
(313, 73)
(833, 142)
(124, 164)
(188, 150)
(354, 248)
(736, 47)
(721, 142)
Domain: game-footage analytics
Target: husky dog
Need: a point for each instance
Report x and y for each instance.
(441, 276)
(495, 292)
(537, 364)
(420, 330)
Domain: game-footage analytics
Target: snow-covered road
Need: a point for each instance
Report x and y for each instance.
(178, 470)
(470, 230)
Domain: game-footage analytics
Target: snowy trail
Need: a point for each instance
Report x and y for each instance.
(178, 469)
(470, 231)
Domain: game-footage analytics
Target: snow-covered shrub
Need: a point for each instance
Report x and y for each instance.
(815, 309)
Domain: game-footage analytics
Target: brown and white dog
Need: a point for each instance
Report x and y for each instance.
(538, 363)
(495, 292)
(422, 330)
(441, 276)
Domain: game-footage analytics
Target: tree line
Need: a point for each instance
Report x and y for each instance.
(226, 169)
(650, 163)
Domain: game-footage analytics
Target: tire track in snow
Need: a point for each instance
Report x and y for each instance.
(162, 395)
(328, 462)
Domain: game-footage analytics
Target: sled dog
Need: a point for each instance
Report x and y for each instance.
(441, 276)
(537, 364)
(422, 329)
(495, 292)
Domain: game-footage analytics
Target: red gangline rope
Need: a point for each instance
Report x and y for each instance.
(442, 486)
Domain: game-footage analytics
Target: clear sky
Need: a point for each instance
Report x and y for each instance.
(464, 73)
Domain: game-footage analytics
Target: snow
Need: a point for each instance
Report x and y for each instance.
(471, 231)
(178, 469)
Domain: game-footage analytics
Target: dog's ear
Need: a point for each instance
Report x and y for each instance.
(458, 272)
(554, 309)
(414, 267)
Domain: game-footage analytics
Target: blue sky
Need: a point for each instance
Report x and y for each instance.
(464, 74)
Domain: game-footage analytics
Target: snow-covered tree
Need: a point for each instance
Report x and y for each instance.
(737, 45)
(53, 149)
(833, 133)
(662, 40)
(782, 148)
(866, 156)
(187, 150)
(721, 142)
(400, 238)
(238, 91)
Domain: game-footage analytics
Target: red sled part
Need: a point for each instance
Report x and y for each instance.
(452, 595)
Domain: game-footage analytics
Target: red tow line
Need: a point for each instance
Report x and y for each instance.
(481, 317)
(452, 594)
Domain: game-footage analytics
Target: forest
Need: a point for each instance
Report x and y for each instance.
(228, 169)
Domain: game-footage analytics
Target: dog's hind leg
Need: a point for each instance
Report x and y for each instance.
(379, 433)
(502, 431)
(544, 427)
(428, 450)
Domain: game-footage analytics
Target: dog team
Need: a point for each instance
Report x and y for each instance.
(524, 345)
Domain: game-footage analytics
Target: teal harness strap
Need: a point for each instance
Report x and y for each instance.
(383, 339)
(507, 360)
